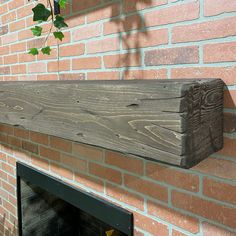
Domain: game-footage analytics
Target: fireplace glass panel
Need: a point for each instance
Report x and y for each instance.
(43, 213)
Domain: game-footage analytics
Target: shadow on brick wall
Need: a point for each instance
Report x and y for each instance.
(121, 18)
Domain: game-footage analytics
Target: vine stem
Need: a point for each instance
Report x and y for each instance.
(52, 20)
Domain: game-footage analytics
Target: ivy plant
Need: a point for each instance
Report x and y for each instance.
(42, 14)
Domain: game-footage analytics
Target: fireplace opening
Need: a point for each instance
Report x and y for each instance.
(49, 207)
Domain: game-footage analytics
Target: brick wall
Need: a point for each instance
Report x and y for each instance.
(129, 39)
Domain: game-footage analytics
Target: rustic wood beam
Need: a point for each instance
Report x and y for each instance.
(173, 121)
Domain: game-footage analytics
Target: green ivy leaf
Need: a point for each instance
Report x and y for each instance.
(58, 35)
(33, 51)
(46, 50)
(62, 3)
(41, 13)
(60, 22)
(37, 30)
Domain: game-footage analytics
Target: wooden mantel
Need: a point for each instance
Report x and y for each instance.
(174, 121)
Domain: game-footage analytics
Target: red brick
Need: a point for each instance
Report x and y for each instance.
(47, 77)
(3, 156)
(219, 190)
(29, 22)
(61, 171)
(31, 147)
(39, 138)
(9, 207)
(18, 69)
(87, 152)
(172, 56)
(108, 11)
(9, 38)
(229, 123)
(103, 45)
(21, 133)
(12, 160)
(17, 25)
(177, 233)
(86, 63)
(16, 4)
(230, 99)
(86, 32)
(146, 187)
(174, 217)
(12, 200)
(206, 30)
(3, 138)
(9, 188)
(71, 76)
(150, 225)
(84, 4)
(24, 34)
(172, 14)
(114, 75)
(145, 39)
(11, 59)
(218, 167)
(220, 52)
(49, 153)
(134, 5)
(71, 50)
(229, 148)
(122, 60)
(130, 164)
(5, 70)
(227, 74)
(61, 144)
(75, 21)
(9, 17)
(123, 25)
(4, 194)
(207, 209)
(61, 65)
(39, 162)
(89, 182)
(74, 162)
(15, 142)
(172, 176)
(125, 196)
(3, 175)
(212, 230)
(4, 50)
(146, 74)
(37, 67)
(12, 180)
(19, 47)
(216, 7)
(105, 173)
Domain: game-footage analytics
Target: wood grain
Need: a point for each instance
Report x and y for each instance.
(173, 121)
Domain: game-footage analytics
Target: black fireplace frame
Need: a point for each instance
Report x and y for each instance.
(87, 202)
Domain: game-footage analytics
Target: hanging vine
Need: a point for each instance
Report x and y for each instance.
(42, 14)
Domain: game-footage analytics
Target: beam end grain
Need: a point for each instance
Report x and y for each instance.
(178, 122)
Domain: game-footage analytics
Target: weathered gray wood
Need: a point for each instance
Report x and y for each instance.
(173, 121)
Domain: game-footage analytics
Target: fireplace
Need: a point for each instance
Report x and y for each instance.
(49, 207)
